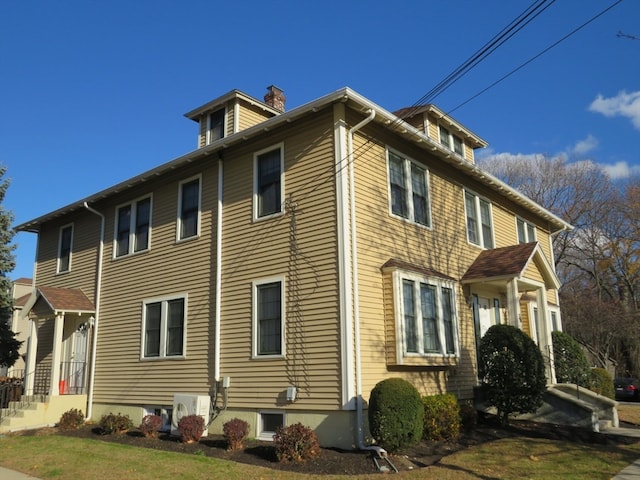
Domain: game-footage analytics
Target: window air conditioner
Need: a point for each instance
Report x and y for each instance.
(190, 404)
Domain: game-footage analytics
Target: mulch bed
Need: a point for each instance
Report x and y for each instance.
(341, 462)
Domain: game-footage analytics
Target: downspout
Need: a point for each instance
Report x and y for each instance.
(218, 293)
(97, 312)
(356, 294)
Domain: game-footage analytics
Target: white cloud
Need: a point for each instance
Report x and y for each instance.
(624, 104)
(584, 146)
(620, 170)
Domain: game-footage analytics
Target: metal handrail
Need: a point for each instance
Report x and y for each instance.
(12, 391)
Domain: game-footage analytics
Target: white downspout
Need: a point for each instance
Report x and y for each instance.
(218, 293)
(97, 312)
(356, 293)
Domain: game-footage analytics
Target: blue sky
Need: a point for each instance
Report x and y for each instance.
(94, 92)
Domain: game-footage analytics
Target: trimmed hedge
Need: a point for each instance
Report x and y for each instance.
(441, 417)
(601, 383)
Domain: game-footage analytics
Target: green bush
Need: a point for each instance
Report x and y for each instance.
(441, 417)
(71, 420)
(511, 369)
(296, 443)
(570, 361)
(150, 425)
(115, 423)
(396, 414)
(190, 428)
(601, 383)
(235, 432)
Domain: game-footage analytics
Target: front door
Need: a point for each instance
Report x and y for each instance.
(74, 367)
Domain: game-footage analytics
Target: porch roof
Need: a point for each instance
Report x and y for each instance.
(510, 262)
(67, 300)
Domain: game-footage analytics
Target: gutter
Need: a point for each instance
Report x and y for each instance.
(94, 342)
(356, 293)
(218, 293)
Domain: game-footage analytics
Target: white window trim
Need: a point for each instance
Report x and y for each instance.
(408, 162)
(256, 216)
(179, 216)
(526, 230)
(163, 327)
(478, 213)
(208, 139)
(267, 435)
(62, 228)
(254, 318)
(450, 144)
(132, 224)
(439, 283)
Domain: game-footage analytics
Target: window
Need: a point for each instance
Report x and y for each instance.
(496, 310)
(132, 227)
(189, 209)
(526, 231)
(268, 423)
(451, 141)
(428, 315)
(163, 327)
(408, 187)
(268, 189)
(268, 315)
(479, 224)
(215, 126)
(65, 241)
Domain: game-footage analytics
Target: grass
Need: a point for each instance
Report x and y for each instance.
(67, 458)
(629, 413)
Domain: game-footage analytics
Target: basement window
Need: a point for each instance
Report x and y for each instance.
(268, 423)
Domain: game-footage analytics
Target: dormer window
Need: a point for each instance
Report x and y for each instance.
(451, 141)
(215, 126)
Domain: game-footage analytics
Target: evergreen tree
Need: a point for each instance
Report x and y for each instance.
(9, 345)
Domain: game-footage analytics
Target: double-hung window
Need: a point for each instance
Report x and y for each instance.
(451, 141)
(427, 315)
(408, 189)
(133, 222)
(189, 209)
(215, 126)
(479, 222)
(268, 318)
(163, 327)
(526, 231)
(65, 243)
(269, 182)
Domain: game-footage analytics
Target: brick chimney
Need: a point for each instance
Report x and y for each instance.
(275, 98)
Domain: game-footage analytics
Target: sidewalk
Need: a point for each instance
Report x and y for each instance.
(632, 472)
(6, 474)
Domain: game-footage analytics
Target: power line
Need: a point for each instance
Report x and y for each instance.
(626, 35)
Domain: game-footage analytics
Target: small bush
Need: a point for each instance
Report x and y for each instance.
(296, 443)
(601, 383)
(441, 417)
(468, 416)
(570, 361)
(115, 423)
(191, 428)
(396, 414)
(71, 420)
(235, 432)
(150, 425)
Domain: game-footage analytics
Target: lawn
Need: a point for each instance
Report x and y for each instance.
(67, 458)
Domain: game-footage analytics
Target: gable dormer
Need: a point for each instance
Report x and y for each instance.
(234, 112)
(443, 129)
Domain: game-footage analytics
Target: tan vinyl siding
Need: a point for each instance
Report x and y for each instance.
(468, 152)
(202, 131)
(251, 115)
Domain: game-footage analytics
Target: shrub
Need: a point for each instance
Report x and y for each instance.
(511, 369)
(115, 423)
(441, 417)
(190, 428)
(468, 416)
(71, 420)
(296, 443)
(570, 361)
(396, 414)
(601, 383)
(235, 432)
(150, 425)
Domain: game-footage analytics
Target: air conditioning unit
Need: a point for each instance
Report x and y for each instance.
(189, 404)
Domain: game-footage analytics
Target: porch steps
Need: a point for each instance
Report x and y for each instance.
(27, 415)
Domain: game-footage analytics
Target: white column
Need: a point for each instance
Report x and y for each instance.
(32, 348)
(544, 334)
(56, 355)
(513, 303)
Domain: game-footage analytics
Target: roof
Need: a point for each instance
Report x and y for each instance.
(61, 300)
(220, 101)
(344, 95)
(23, 281)
(510, 262)
(21, 301)
(394, 263)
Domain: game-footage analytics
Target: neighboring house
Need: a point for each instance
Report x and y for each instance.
(287, 265)
(20, 291)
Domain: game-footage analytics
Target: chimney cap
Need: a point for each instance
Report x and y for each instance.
(275, 98)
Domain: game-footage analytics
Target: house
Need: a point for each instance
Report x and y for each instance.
(20, 291)
(286, 266)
